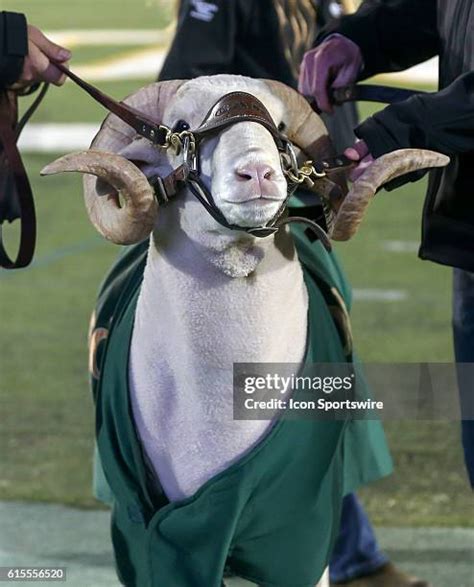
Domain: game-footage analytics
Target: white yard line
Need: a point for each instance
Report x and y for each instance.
(103, 37)
(400, 246)
(142, 64)
(380, 295)
(37, 534)
(48, 138)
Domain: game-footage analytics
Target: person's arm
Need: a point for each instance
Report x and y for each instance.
(383, 35)
(13, 46)
(391, 34)
(204, 41)
(441, 121)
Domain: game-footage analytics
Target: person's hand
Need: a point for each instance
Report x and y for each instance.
(38, 65)
(333, 64)
(359, 153)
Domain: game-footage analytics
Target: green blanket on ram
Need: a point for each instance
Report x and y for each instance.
(273, 515)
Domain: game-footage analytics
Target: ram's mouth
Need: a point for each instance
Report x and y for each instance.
(254, 213)
(268, 196)
(259, 201)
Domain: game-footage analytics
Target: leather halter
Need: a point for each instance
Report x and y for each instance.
(231, 109)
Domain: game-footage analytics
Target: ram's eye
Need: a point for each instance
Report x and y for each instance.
(180, 126)
(282, 126)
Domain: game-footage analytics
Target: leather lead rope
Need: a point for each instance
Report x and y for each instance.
(15, 169)
(25, 200)
(365, 93)
(145, 126)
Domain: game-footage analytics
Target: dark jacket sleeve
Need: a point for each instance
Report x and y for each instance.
(392, 34)
(204, 42)
(442, 121)
(13, 46)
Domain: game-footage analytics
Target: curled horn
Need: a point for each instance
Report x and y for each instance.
(307, 130)
(132, 221)
(125, 223)
(383, 170)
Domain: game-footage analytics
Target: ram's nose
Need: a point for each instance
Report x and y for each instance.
(259, 173)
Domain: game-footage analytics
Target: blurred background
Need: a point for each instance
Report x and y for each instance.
(401, 309)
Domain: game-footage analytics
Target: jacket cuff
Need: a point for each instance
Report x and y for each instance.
(15, 46)
(377, 137)
(380, 141)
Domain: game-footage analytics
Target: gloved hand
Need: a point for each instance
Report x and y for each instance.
(335, 63)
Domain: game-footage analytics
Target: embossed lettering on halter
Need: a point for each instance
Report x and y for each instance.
(233, 108)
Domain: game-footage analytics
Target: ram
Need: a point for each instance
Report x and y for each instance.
(220, 277)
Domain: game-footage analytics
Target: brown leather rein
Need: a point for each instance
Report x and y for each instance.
(12, 168)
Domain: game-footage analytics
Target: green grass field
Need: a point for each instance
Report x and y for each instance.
(95, 14)
(46, 411)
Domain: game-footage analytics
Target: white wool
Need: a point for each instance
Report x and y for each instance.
(192, 323)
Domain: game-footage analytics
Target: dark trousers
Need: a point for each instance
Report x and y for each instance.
(356, 552)
(463, 333)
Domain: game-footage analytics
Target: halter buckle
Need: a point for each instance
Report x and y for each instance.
(298, 175)
(190, 151)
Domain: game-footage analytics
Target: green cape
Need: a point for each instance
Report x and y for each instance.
(274, 514)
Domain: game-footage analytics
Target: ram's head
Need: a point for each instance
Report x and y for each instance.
(240, 166)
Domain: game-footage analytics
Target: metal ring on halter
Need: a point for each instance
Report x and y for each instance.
(290, 152)
(189, 153)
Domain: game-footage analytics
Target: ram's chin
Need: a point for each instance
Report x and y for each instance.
(233, 252)
(253, 213)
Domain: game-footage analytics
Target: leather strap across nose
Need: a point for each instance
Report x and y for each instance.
(231, 109)
(237, 107)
